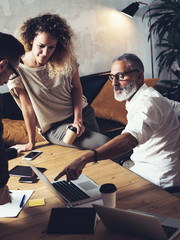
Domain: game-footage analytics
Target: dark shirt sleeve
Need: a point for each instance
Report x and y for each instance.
(4, 174)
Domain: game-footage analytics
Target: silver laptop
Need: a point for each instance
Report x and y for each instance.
(139, 224)
(77, 192)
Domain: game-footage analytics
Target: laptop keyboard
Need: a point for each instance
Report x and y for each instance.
(169, 231)
(70, 191)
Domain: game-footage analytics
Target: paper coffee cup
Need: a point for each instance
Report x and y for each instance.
(108, 193)
(70, 135)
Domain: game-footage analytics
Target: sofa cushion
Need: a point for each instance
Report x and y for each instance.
(105, 106)
(15, 132)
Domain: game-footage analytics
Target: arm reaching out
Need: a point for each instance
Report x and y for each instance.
(114, 148)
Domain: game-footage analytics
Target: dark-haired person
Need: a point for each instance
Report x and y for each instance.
(11, 51)
(152, 131)
(48, 89)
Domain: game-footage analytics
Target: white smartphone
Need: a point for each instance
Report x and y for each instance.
(32, 155)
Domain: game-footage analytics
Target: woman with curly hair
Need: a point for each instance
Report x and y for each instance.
(48, 89)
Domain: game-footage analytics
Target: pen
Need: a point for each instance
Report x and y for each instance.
(22, 201)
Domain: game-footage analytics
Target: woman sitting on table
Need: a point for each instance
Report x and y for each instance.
(48, 90)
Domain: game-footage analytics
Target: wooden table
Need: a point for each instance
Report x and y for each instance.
(133, 192)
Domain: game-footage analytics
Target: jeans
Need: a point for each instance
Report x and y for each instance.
(90, 139)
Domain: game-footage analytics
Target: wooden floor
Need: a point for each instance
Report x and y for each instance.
(133, 192)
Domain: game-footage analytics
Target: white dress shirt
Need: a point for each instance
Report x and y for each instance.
(153, 122)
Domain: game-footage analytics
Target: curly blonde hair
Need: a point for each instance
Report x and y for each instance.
(63, 57)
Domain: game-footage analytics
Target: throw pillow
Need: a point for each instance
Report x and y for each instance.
(15, 132)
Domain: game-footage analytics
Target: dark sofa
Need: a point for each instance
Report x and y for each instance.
(110, 114)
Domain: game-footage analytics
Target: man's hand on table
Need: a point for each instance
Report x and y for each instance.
(4, 195)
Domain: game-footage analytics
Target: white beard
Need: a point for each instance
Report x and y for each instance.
(126, 92)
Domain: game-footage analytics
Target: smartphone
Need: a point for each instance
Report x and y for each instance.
(24, 171)
(32, 155)
(28, 179)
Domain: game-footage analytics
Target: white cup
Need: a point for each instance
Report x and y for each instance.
(108, 193)
(70, 135)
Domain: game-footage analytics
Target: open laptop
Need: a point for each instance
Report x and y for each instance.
(77, 192)
(137, 223)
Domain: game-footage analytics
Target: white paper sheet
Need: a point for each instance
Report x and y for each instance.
(13, 209)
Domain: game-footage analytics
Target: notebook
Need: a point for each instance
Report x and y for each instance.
(77, 192)
(137, 223)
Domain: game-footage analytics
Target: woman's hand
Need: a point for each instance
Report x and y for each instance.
(23, 147)
(80, 128)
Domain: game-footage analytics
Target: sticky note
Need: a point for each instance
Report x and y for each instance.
(36, 202)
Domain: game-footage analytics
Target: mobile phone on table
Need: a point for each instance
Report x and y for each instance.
(32, 155)
(24, 171)
(28, 179)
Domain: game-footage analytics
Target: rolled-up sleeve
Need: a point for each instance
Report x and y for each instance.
(146, 119)
(175, 105)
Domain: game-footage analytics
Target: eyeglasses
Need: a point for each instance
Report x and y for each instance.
(15, 74)
(120, 75)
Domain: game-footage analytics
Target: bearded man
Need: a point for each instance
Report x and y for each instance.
(152, 131)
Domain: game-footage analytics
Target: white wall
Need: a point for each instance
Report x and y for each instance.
(103, 33)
